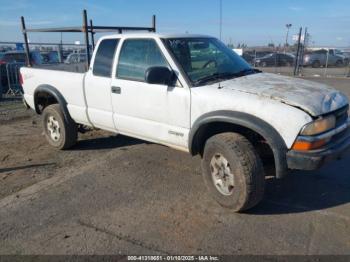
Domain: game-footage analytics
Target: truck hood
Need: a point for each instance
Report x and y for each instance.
(312, 97)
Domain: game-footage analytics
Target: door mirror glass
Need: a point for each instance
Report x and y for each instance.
(159, 75)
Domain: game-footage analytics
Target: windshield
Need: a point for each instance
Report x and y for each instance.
(338, 52)
(207, 60)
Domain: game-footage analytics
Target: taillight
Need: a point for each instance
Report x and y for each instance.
(20, 79)
(2, 62)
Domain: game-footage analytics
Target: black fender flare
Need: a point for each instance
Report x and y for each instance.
(57, 95)
(269, 133)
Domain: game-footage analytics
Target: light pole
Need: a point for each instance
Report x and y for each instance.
(220, 19)
(288, 27)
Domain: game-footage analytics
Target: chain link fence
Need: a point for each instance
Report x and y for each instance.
(69, 57)
(10, 79)
(309, 62)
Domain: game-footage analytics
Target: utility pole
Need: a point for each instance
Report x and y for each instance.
(220, 19)
(305, 42)
(288, 27)
(296, 66)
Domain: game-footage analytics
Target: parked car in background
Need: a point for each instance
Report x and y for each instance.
(248, 57)
(6, 58)
(275, 59)
(36, 57)
(13, 57)
(75, 58)
(50, 57)
(65, 54)
(12, 60)
(259, 54)
(319, 58)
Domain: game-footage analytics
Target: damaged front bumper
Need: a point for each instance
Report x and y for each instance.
(313, 159)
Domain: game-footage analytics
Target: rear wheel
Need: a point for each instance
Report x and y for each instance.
(233, 172)
(59, 132)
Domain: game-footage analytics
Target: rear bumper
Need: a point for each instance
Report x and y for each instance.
(310, 160)
(25, 103)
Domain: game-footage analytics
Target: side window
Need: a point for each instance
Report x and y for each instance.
(104, 58)
(136, 56)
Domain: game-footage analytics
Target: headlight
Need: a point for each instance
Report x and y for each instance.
(318, 126)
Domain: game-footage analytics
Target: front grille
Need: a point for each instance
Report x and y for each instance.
(341, 115)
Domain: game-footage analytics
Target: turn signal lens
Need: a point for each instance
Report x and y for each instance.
(305, 145)
(318, 126)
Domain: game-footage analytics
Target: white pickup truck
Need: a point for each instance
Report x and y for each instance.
(192, 93)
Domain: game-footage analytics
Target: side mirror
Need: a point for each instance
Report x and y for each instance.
(159, 75)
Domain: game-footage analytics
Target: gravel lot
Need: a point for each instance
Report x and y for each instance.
(117, 195)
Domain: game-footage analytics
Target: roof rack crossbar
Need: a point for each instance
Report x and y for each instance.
(94, 29)
(86, 29)
(55, 30)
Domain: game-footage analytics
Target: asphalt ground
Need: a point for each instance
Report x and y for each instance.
(116, 195)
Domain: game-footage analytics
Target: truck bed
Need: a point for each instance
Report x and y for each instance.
(75, 68)
(69, 84)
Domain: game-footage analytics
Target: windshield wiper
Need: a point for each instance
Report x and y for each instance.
(248, 71)
(226, 75)
(215, 76)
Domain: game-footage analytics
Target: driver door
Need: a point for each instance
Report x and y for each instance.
(153, 112)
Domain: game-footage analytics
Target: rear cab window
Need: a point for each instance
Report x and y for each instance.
(104, 57)
(136, 56)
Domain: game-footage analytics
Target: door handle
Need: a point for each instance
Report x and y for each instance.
(116, 90)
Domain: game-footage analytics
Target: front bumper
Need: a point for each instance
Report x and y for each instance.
(313, 159)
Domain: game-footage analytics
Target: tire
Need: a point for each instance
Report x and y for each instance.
(60, 133)
(316, 64)
(339, 63)
(244, 165)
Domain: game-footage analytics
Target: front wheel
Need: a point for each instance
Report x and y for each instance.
(233, 172)
(339, 63)
(59, 132)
